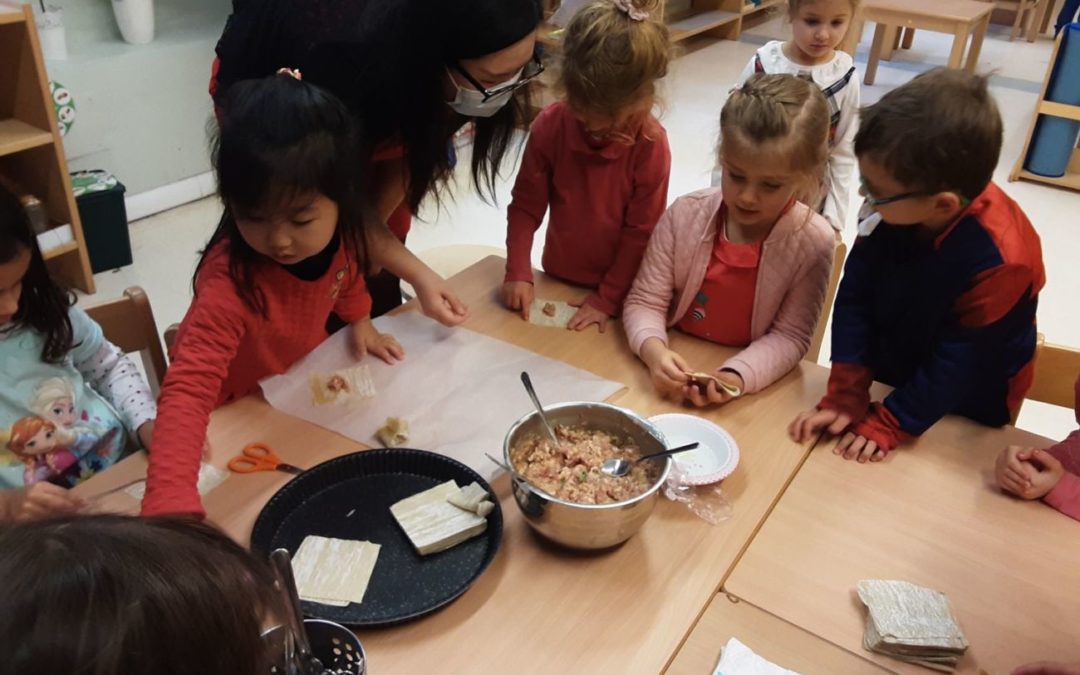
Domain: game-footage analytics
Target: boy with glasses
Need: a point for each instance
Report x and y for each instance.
(939, 292)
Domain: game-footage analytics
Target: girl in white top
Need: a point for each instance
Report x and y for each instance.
(818, 28)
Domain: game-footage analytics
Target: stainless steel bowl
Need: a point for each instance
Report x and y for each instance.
(587, 526)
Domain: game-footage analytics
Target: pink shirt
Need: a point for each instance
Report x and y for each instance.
(1065, 496)
(792, 276)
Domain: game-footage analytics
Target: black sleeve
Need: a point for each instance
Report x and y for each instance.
(255, 42)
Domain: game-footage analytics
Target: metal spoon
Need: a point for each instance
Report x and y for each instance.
(539, 408)
(304, 659)
(621, 467)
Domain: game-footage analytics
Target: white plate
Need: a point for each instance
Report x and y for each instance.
(710, 462)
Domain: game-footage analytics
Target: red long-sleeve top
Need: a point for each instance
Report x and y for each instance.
(222, 350)
(1065, 496)
(605, 199)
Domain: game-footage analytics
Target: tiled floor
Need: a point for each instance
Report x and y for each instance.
(165, 246)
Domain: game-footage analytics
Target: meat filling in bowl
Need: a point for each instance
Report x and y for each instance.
(572, 472)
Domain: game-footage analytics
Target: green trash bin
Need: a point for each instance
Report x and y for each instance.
(100, 198)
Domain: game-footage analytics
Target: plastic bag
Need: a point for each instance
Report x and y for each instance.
(704, 501)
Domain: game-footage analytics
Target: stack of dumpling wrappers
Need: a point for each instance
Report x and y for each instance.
(912, 624)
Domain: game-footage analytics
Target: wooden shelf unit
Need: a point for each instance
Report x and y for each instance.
(31, 150)
(1071, 179)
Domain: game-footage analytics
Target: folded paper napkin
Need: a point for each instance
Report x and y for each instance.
(738, 659)
(912, 624)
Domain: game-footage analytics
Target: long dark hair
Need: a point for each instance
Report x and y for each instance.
(280, 138)
(43, 305)
(393, 76)
(118, 595)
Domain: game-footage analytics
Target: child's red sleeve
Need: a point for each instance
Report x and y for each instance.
(646, 205)
(530, 198)
(354, 301)
(849, 390)
(206, 344)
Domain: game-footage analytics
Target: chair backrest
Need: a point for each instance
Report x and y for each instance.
(128, 323)
(839, 255)
(1056, 368)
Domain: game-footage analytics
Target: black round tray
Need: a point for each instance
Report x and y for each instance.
(404, 585)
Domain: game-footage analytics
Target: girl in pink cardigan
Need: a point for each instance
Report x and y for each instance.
(745, 265)
(1052, 475)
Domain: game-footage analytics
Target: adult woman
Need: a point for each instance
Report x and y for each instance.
(414, 71)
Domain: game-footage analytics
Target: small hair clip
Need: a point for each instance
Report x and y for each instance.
(635, 13)
(291, 72)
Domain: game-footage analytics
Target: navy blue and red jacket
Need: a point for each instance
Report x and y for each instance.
(949, 322)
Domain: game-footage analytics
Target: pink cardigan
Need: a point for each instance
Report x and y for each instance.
(1065, 496)
(793, 275)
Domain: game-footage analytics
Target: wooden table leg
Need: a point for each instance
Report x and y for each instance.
(1038, 19)
(854, 35)
(976, 44)
(875, 54)
(960, 36)
(909, 37)
(890, 41)
(1048, 12)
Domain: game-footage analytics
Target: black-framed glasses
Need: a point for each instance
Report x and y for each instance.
(882, 201)
(530, 72)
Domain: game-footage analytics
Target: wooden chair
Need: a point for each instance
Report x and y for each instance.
(1056, 368)
(449, 260)
(128, 323)
(839, 255)
(1027, 16)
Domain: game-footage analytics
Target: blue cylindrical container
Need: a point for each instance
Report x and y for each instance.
(1054, 139)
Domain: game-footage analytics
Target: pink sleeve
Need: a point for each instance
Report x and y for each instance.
(645, 208)
(206, 344)
(646, 308)
(530, 199)
(775, 353)
(1065, 496)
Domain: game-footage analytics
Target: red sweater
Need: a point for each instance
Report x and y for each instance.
(1065, 496)
(223, 349)
(605, 199)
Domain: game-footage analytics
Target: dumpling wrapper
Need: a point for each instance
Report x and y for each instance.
(558, 318)
(703, 379)
(342, 386)
(432, 523)
(334, 571)
(469, 497)
(394, 433)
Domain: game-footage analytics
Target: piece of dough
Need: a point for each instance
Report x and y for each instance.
(394, 433)
(342, 386)
(469, 497)
(551, 313)
(703, 379)
(334, 571)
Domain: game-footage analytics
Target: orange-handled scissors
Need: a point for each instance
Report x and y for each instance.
(259, 457)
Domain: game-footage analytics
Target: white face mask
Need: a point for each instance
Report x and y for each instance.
(471, 103)
(869, 219)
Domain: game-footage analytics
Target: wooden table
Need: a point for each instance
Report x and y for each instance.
(930, 515)
(540, 608)
(769, 636)
(961, 18)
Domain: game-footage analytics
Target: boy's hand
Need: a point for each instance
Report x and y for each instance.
(1014, 474)
(809, 423)
(518, 295)
(440, 302)
(712, 394)
(667, 368)
(42, 500)
(586, 316)
(365, 338)
(857, 447)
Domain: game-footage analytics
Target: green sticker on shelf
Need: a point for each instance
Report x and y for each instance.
(64, 104)
(83, 182)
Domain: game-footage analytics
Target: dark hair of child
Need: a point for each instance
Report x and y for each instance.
(281, 139)
(44, 304)
(117, 595)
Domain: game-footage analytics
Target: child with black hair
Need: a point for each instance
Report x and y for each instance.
(68, 397)
(285, 265)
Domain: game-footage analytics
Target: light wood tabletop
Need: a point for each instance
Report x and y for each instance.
(540, 608)
(930, 514)
(770, 637)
